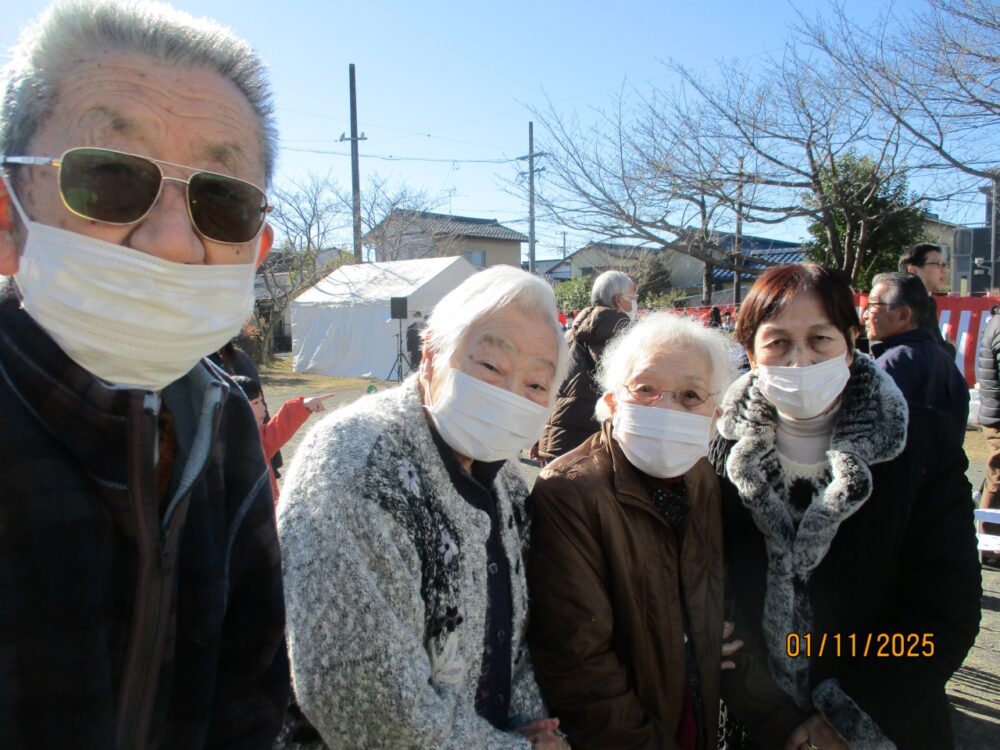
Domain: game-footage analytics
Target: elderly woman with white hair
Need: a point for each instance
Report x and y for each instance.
(613, 303)
(626, 576)
(404, 532)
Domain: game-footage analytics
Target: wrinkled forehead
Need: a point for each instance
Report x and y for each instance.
(514, 333)
(187, 114)
(682, 362)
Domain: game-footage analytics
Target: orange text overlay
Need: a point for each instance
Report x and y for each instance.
(878, 645)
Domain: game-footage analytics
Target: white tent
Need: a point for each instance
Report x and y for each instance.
(342, 326)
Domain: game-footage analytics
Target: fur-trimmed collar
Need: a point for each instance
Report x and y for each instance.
(870, 398)
(870, 429)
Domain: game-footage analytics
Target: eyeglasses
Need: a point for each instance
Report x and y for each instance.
(876, 305)
(119, 188)
(689, 397)
(938, 263)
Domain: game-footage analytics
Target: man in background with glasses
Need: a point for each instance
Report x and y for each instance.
(904, 348)
(141, 600)
(927, 262)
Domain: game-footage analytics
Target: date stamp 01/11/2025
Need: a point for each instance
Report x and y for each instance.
(851, 645)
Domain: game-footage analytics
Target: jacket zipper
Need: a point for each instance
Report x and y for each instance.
(140, 676)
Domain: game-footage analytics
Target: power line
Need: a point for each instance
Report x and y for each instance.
(391, 157)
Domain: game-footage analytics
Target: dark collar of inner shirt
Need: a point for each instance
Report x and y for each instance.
(470, 485)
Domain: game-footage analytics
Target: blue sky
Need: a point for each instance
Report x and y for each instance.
(453, 81)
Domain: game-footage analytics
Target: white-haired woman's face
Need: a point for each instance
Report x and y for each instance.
(679, 379)
(508, 348)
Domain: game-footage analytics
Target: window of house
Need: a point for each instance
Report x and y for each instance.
(476, 257)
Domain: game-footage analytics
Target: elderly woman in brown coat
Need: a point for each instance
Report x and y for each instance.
(626, 576)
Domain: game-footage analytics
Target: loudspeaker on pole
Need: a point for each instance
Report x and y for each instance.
(397, 308)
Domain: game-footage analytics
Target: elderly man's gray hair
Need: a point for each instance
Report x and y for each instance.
(902, 289)
(662, 332)
(609, 285)
(73, 29)
(486, 292)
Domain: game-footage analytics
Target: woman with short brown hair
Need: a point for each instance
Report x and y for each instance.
(848, 532)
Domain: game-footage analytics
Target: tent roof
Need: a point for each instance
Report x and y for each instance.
(368, 283)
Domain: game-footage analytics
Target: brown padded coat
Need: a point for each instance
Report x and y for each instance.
(605, 578)
(572, 419)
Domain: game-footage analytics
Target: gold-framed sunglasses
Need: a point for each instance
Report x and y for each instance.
(114, 187)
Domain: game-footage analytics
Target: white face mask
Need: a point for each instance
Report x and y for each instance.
(130, 318)
(484, 422)
(633, 309)
(803, 392)
(661, 442)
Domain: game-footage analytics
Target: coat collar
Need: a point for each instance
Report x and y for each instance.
(870, 429)
(88, 417)
(628, 483)
(906, 338)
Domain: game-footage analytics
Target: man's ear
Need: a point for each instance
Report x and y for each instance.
(8, 245)
(266, 241)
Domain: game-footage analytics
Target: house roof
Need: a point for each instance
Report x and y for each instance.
(792, 254)
(453, 226)
(545, 265)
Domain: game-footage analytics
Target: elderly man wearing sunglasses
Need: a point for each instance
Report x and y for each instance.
(141, 587)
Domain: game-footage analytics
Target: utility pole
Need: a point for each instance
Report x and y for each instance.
(993, 233)
(355, 171)
(531, 194)
(531, 197)
(564, 246)
(738, 258)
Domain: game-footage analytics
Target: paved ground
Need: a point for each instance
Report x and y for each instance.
(974, 689)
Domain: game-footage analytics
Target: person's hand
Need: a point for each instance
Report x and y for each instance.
(542, 734)
(314, 404)
(729, 647)
(815, 733)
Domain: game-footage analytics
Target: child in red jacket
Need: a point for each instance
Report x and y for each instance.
(279, 429)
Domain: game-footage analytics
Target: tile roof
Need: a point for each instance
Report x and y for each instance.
(456, 226)
(789, 254)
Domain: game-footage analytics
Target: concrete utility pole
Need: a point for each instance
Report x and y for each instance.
(564, 246)
(531, 193)
(738, 256)
(993, 233)
(531, 197)
(355, 170)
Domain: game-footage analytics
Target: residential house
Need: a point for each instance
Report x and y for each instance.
(595, 258)
(408, 235)
(688, 273)
(552, 270)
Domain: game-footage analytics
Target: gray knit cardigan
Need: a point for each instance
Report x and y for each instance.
(385, 584)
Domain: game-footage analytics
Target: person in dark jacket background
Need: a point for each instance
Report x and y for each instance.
(235, 361)
(613, 303)
(142, 603)
(927, 262)
(923, 371)
(988, 375)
